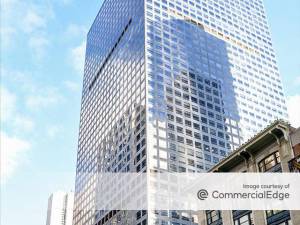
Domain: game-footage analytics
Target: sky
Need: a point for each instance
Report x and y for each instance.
(42, 57)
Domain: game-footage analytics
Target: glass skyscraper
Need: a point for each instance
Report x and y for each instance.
(171, 85)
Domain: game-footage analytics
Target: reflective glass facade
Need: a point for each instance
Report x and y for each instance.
(171, 85)
(112, 123)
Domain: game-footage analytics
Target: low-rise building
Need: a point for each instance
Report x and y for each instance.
(275, 149)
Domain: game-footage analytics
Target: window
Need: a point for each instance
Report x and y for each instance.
(242, 217)
(189, 132)
(138, 215)
(189, 142)
(270, 163)
(270, 213)
(179, 129)
(198, 145)
(280, 217)
(180, 139)
(179, 120)
(171, 126)
(213, 216)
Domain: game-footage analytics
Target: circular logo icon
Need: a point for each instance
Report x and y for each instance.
(202, 194)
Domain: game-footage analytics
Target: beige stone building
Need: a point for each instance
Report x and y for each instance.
(275, 149)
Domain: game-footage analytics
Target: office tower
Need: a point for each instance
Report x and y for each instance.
(171, 86)
(60, 208)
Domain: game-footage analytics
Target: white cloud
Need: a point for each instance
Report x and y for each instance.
(38, 45)
(22, 123)
(72, 86)
(297, 80)
(7, 34)
(8, 105)
(8, 7)
(13, 153)
(10, 115)
(43, 98)
(31, 95)
(33, 21)
(53, 131)
(293, 104)
(18, 121)
(74, 30)
(22, 79)
(25, 22)
(77, 57)
(13, 149)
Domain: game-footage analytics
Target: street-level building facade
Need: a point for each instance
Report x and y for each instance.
(273, 150)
